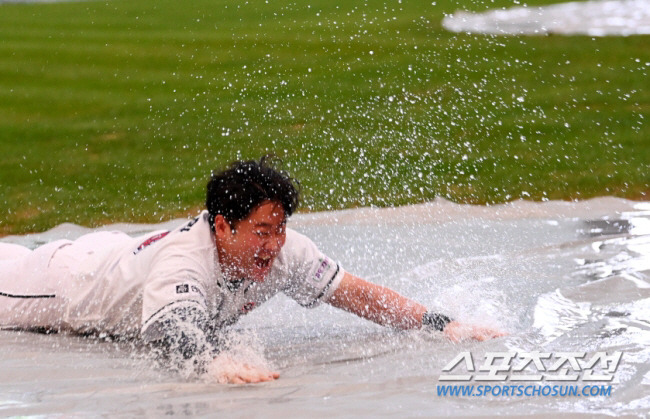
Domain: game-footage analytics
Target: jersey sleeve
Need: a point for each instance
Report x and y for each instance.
(185, 337)
(175, 315)
(312, 277)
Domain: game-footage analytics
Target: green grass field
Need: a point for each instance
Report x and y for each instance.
(118, 110)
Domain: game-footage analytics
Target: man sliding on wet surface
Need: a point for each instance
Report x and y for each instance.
(179, 289)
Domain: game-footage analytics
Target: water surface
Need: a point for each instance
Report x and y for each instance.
(558, 276)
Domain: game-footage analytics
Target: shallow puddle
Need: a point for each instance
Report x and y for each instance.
(558, 276)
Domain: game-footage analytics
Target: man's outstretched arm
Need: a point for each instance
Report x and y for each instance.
(377, 303)
(388, 308)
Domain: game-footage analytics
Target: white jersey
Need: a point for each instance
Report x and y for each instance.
(110, 282)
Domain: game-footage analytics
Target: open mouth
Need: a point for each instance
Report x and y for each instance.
(263, 262)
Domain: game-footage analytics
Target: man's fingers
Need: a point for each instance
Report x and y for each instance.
(237, 380)
(252, 376)
(268, 376)
(249, 374)
(258, 378)
(491, 334)
(228, 370)
(457, 332)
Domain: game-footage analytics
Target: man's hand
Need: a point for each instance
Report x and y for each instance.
(456, 332)
(388, 308)
(225, 369)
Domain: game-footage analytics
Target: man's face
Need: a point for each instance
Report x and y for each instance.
(248, 250)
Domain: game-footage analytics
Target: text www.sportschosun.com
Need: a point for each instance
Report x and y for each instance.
(468, 390)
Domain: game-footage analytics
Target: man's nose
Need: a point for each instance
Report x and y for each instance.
(274, 244)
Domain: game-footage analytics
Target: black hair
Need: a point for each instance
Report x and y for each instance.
(236, 191)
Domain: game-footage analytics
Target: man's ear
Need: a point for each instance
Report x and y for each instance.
(221, 226)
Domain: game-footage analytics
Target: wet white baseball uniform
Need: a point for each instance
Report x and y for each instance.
(110, 282)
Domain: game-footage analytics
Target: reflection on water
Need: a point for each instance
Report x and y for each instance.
(560, 277)
(594, 18)
(594, 228)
